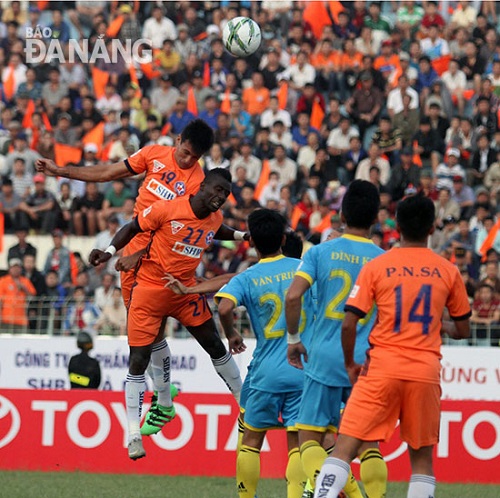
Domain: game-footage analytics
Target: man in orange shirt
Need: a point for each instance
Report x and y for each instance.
(256, 97)
(14, 289)
(180, 231)
(388, 62)
(170, 173)
(410, 286)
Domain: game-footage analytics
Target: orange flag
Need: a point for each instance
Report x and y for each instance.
(416, 156)
(317, 15)
(134, 81)
(9, 85)
(95, 136)
(206, 74)
(283, 95)
(67, 154)
(323, 224)
(149, 71)
(317, 115)
(336, 8)
(191, 102)
(297, 214)
(166, 128)
(46, 122)
(440, 64)
(100, 80)
(263, 179)
(114, 27)
(232, 200)
(225, 105)
(42, 5)
(489, 241)
(30, 109)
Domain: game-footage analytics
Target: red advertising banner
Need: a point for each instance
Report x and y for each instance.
(86, 431)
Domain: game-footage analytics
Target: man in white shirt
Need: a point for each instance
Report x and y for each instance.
(374, 159)
(302, 72)
(164, 96)
(456, 82)
(434, 46)
(273, 114)
(286, 167)
(252, 164)
(158, 28)
(395, 97)
(340, 137)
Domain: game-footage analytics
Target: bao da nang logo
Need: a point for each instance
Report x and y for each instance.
(42, 47)
(10, 421)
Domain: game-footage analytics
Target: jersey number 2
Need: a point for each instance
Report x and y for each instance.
(424, 300)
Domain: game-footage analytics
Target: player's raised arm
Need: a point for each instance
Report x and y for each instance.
(205, 287)
(99, 173)
(119, 241)
(228, 233)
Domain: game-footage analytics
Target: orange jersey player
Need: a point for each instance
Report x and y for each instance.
(180, 231)
(170, 172)
(410, 286)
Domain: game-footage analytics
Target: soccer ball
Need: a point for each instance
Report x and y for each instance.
(241, 36)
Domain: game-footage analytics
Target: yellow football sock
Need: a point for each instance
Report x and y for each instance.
(352, 488)
(295, 475)
(247, 471)
(312, 456)
(309, 486)
(373, 473)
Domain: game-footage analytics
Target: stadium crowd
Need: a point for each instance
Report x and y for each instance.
(402, 94)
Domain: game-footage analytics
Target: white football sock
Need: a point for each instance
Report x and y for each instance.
(135, 388)
(332, 478)
(228, 371)
(421, 486)
(160, 365)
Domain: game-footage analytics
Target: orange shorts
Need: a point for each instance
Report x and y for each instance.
(149, 306)
(377, 403)
(126, 281)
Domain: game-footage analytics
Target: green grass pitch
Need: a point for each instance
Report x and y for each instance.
(80, 485)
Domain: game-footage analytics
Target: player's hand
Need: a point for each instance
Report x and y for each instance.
(97, 257)
(47, 166)
(246, 237)
(295, 353)
(236, 343)
(353, 372)
(174, 285)
(127, 263)
(334, 234)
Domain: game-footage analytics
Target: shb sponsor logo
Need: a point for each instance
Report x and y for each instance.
(160, 190)
(7, 409)
(187, 250)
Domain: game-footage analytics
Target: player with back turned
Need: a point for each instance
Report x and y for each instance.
(180, 231)
(333, 267)
(274, 388)
(410, 286)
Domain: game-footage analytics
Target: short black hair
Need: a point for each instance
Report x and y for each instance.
(220, 172)
(415, 216)
(200, 136)
(360, 204)
(267, 228)
(293, 246)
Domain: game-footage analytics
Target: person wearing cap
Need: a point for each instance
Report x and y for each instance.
(183, 44)
(449, 168)
(83, 370)
(201, 92)
(64, 132)
(14, 291)
(37, 210)
(158, 27)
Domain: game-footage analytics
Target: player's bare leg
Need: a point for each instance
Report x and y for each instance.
(422, 481)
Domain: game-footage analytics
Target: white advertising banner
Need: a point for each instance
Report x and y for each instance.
(33, 362)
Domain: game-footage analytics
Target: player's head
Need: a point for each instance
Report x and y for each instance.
(215, 189)
(415, 218)
(360, 204)
(195, 140)
(292, 248)
(267, 230)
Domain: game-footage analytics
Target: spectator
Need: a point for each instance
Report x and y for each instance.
(103, 295)
(256, 97)
(395, 97)
(113, 320)
(252, 164)
(404, 175)
(374, 159)
(446, 207)
(9, 206)
(464, 196)
(84, 371)
(14, 291)
(339, 139)
(81, 314)
(286, 167)
(38, 210)
(388, 139)
(113, 201)
(87, 210)
(58, 259)
(485, 316)
(157, 28)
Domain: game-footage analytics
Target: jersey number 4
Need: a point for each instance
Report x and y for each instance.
(423, 301)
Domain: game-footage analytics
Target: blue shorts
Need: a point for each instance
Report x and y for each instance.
(245, 389)
(264, 410)
(321, 405)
